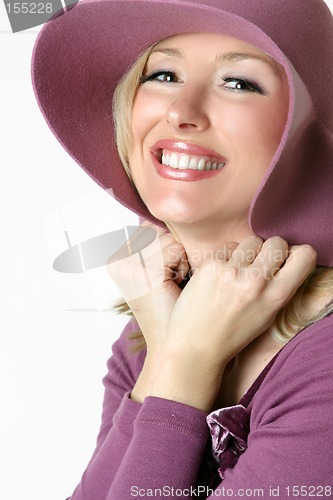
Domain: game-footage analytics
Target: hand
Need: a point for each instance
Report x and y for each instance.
(237, 299)
(226, 305)
(149, 279)
(151, 291)
(231, 299)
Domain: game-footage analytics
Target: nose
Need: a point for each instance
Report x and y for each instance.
(189, 111)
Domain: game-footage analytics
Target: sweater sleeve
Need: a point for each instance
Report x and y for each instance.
(119, 413)
(165, 452)
(290, 446)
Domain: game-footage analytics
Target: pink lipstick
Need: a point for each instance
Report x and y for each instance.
(185, 161)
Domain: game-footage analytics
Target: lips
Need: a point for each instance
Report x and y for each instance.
(185, 161)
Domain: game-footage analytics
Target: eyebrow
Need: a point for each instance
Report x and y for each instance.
(224, 57)
(238, 56)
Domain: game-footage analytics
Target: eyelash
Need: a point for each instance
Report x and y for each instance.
(154, 75)
(250, 85)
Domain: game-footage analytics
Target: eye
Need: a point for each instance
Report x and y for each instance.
(241, 85)
(160, 76)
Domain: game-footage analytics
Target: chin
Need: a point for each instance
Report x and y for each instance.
(176, 218)
(175, 213)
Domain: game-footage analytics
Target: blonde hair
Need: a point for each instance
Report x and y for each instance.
(123, 99)
(292, 318)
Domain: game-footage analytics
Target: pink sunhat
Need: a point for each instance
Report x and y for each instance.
(80, 56)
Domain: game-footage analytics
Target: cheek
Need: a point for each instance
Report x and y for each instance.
(274, 119)
(139, 121)
(148, 110)
(256, 129)
(146, 113)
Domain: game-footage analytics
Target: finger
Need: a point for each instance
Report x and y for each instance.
(225, 253)
(182, 269)
(165, 259)
(299, 264)
(142, 237)
(272, 256)
(246, 251)
(176, 262)
(174, 255)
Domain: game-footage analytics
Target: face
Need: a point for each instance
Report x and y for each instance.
(207, 119)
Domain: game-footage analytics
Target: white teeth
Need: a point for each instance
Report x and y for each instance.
(185, 161)
(173, 162)
(202, 165)
(193, 164)
(165, 159)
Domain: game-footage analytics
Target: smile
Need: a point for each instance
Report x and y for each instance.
(185, 161)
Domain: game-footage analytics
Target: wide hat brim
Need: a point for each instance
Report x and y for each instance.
(80, 56)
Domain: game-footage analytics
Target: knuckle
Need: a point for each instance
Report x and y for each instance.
(278, 241)
(310, 252)
(298, 252)
(256, 239)
(173, 252)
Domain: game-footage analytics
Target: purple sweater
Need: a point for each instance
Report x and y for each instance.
(277, 442)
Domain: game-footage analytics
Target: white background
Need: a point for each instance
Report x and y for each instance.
(55, 335)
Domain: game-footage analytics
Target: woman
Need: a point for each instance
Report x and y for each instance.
(224, 130)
